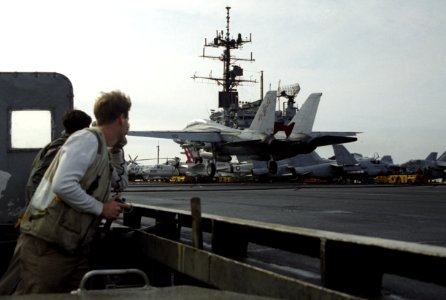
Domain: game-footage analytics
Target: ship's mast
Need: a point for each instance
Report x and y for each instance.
(228, 97)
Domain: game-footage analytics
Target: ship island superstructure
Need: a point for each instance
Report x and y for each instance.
(232, 112)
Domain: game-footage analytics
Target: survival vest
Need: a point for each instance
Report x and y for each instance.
(48, 217)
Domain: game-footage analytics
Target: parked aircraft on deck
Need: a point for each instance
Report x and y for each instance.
(142, 172)
(362, 167)
(415, 165)
(430, 166)
(218, 142)
(303, 166)
(312, 165)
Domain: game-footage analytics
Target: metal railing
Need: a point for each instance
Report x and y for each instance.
(349, 264)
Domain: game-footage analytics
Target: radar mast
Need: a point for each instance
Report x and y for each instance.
(228, 97)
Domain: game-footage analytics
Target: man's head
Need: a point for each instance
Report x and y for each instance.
(112, 115)
(110, 106)
(75, 120)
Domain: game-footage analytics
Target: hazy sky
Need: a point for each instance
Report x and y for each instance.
(381, 65)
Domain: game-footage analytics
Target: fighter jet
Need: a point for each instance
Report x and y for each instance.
(362, 167)
(218, 142)
(309, 165)
(417, 165)
(312, 165)
(430, 166)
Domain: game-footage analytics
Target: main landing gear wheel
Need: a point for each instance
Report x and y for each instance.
(272, 167)
(210, 170)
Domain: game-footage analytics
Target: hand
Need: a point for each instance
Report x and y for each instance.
(119, 145)
(113, 208)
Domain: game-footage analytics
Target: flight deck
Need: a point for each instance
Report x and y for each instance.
(408, 213)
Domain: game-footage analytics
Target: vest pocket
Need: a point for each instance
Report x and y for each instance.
(74, 228)
(70, 219)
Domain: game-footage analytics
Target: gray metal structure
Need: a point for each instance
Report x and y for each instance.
(36, 91)
(350, 265)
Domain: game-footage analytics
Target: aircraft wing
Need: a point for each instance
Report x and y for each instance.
(243, 143)
(301, 171)
(199, 136)
(333, 133)
(330, 138)
(326, 140)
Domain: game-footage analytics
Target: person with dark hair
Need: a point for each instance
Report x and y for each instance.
(71, 200)
(75, 120)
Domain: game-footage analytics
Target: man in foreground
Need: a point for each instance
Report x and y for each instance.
(70, 201)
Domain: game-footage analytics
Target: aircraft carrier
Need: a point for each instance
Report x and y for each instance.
(250, 241)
